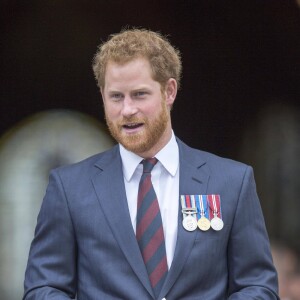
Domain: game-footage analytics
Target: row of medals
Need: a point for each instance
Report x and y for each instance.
(190, 223)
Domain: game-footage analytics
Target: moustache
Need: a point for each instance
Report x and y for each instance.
(131, 120)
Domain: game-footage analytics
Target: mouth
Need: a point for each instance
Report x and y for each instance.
(132, 127)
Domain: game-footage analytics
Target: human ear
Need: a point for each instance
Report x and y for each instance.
(170, 91)
(102, 94)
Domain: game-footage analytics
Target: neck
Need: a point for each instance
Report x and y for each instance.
(157, 147)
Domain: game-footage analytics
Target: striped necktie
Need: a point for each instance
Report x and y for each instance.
(149, 230)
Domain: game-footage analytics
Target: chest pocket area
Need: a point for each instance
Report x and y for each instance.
(212, 242)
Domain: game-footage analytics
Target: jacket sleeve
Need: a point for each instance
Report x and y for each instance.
(251, 271)
(51, 268)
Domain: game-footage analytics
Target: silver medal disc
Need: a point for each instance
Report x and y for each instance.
(189, 223)
(216, 223)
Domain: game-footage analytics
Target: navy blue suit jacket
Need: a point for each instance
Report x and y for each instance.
(85, 245)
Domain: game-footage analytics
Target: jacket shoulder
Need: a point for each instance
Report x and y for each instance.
(90, 165)
(211, 161)
(208, 157)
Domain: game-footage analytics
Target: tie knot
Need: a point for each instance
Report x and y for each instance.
(148, 164)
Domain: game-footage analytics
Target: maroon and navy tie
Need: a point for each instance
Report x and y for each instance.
(149, 230)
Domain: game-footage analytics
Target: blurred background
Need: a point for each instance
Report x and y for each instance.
(239, 99)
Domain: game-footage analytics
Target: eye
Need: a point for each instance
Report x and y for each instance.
(116, 96)
(140, 94)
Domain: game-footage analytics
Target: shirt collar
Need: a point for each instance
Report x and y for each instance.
(168, 156)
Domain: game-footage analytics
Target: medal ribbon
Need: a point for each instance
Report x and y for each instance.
(215, 206)
(201, 202)
(188, 203)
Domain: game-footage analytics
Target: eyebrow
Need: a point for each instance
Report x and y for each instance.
(141, 89)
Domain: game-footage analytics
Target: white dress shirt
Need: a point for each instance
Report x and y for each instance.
(165, 180)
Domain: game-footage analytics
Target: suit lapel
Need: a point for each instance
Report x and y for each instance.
(193, 180)
(110, 189)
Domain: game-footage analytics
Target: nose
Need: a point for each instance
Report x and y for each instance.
(129, 107)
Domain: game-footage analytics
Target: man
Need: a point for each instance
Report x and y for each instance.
(110, 228)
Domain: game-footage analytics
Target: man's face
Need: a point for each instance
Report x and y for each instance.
(137, 111)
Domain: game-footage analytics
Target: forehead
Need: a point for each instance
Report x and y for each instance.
(132, 72)
(114, 67)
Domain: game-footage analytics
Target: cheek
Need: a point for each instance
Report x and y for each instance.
(111, 112)
(153, 110)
